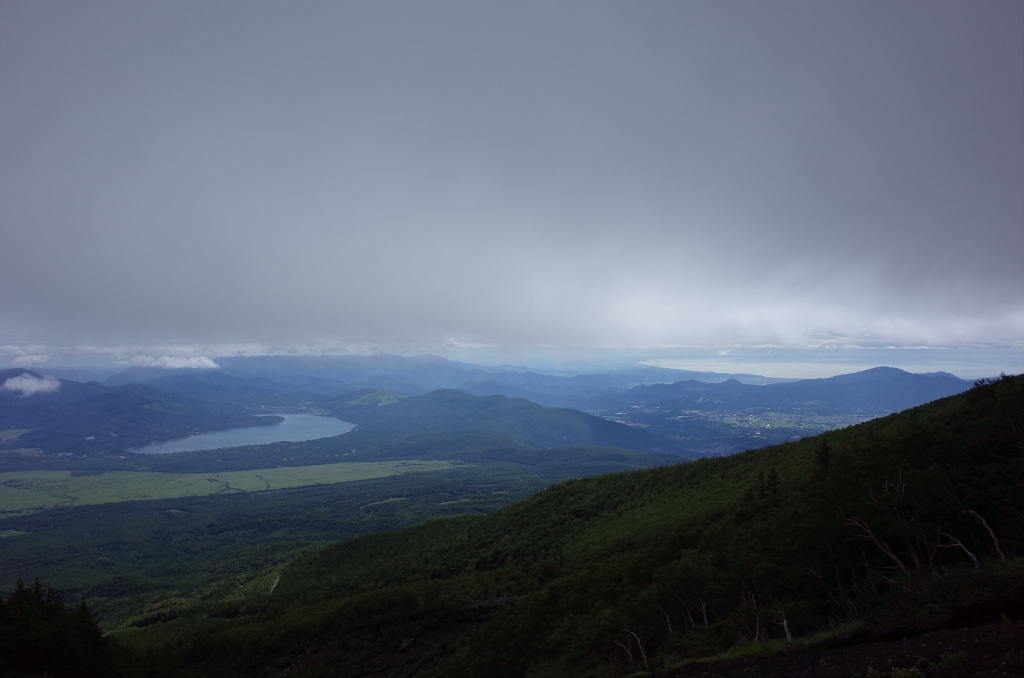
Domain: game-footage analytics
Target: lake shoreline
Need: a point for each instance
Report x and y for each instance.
(291, 428)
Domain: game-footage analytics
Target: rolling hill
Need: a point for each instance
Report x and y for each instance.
(450, 411)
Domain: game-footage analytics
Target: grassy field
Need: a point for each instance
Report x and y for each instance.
(24, 492)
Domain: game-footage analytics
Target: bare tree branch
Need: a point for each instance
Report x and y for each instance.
(640, 644)
(991, 533)
(628, 653)
(667, 620)
(685, 607)
(785, 627)
(956, 543)
(856, 522)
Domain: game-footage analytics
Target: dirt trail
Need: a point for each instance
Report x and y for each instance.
(993, 650)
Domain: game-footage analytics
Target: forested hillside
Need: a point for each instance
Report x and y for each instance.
(449, 411)
(90, 419)
(898, 522)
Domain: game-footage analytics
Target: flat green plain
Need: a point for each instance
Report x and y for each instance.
(24, 492)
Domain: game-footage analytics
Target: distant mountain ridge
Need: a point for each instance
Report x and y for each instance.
(411, 376)
(879, 390)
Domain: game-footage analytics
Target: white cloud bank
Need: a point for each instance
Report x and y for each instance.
(174, 363)
(29, 360)
(28, 385)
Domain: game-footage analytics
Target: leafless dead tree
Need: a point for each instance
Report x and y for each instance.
(991, 532)
(703, 607)
(757, 617)
(785, 627)
(956, 543)
(626, 648)
(667, 620)
(866, 531)
(640, 644)
(687, 609)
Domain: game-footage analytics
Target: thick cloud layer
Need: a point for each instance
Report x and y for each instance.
(617, 174)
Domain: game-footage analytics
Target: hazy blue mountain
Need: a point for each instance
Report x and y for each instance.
(547, 399)
(144, 375)
(66, 393)
(609, 382)
(303, 389)
(332, 375)
(412, 376)
(869, 392)
(213, 386)
(332, 387)
(425, 373)
(76, 374)
(879, 390)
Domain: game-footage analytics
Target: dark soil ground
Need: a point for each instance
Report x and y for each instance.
(992, 650)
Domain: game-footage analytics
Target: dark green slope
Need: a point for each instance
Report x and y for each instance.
(867, 528)
(449, 411)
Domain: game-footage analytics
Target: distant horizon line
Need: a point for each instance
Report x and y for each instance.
(207, 364)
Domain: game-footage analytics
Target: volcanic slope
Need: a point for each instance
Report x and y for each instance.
(896, 523)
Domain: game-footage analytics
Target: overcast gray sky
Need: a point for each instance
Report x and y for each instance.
(554, 174)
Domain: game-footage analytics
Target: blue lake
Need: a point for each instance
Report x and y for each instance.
(294, 428)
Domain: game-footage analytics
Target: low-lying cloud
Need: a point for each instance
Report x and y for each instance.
(174, 363)
(30, 360)
(28, 385)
